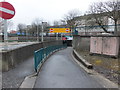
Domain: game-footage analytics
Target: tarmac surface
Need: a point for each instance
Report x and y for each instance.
(61, 71)
(14, 77)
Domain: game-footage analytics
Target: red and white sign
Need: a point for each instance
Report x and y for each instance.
(51, 30)
(7, 11)
(67, 30)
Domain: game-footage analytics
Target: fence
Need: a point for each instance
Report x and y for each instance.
(96, 30)
(42, 53)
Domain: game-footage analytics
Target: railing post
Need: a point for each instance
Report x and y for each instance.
(35, 63)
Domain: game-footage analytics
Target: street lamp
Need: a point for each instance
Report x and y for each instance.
(43, 24)
(38, 33)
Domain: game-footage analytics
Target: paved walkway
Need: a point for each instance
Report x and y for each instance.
(14, 77)
(60, 71)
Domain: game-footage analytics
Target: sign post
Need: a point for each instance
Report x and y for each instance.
(7, 11)
(5, 31)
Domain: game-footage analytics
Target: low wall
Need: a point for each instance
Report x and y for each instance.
(28, 38)
(33, 38)
(11, 58)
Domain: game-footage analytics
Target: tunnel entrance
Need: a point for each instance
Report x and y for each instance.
(68, 43)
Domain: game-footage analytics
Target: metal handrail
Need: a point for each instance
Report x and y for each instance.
(42, 53)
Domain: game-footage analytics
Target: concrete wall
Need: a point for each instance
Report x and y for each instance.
(11, 58)
(81, 43)
(31, 38)
(51, 43)
(96, 45)
(28, 38)
(105, 45)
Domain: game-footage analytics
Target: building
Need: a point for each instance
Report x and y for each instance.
(13, 32)
(88, 26)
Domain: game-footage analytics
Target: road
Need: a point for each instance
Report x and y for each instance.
(61, 71)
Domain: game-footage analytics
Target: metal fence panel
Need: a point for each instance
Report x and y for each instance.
(42, 53)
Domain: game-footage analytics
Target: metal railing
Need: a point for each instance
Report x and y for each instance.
(41, 54)
(96, 28)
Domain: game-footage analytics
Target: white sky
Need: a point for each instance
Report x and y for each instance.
(48, 10)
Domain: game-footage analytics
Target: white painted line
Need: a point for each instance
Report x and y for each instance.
(7, 10)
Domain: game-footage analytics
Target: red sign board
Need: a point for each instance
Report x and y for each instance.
(7, 11)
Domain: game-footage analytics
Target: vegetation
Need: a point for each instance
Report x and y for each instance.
(110, 9)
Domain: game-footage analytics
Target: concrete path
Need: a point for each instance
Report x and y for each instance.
(61, 71)
(14, 77)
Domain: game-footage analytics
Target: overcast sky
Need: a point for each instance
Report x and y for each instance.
(48, 10)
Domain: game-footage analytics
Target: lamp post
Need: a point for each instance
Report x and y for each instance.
(57, 36)
(42, 33)
(38, 33)
(43, 24)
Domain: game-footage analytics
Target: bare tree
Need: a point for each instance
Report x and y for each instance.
(98, 15)
(56, 23)
(21, 27)
(113, 11)
(70, 18)
(32, 29)
(36, 27)
(37, 24)
(110, 9)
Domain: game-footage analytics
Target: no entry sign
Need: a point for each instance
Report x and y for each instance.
(7, 11)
